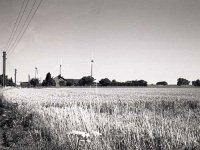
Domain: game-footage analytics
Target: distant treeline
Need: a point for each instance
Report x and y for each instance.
(90, 81)
(84, 81)
(107, 82)
(182, 81)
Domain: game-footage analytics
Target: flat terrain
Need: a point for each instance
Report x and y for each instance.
(112, 118)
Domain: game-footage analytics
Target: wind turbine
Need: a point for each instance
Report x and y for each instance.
(60, 69)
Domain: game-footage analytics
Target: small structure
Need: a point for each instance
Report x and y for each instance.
(58, 80)
(24, 84)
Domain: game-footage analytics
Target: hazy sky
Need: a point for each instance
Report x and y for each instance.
(153, 40)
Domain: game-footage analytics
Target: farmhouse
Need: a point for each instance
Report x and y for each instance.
(60, 81)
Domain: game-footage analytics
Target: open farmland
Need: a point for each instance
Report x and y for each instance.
(110, 118)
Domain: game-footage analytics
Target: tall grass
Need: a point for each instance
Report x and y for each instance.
(119, 119)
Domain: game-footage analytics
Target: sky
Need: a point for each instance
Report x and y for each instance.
(154, 40)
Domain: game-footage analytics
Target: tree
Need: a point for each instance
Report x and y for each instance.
(34, 82)
(9, 82)
(142, 83)
(196, 83)
(49, 81)
(128, 83)
(48, 77)
(69, 83)
(114, 83)
(164, 83)
(139, 83)
(182, 81)
(86, 81)
(105, 82)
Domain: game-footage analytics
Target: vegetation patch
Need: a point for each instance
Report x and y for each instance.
(18, 131)
(99, 119)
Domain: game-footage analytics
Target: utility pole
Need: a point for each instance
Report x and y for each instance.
(15, 77)
(4, 68)
(29, 78)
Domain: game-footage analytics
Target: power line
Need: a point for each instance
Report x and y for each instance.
(12, 32)
(17, 41)
(22, 28)
(15, 28)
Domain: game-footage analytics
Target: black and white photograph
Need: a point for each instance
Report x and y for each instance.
(100, 75)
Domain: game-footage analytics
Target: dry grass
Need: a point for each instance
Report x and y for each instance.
(121, 118)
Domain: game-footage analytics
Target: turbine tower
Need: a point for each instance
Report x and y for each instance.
(60, 69)
(92, 61)
(36, 72)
